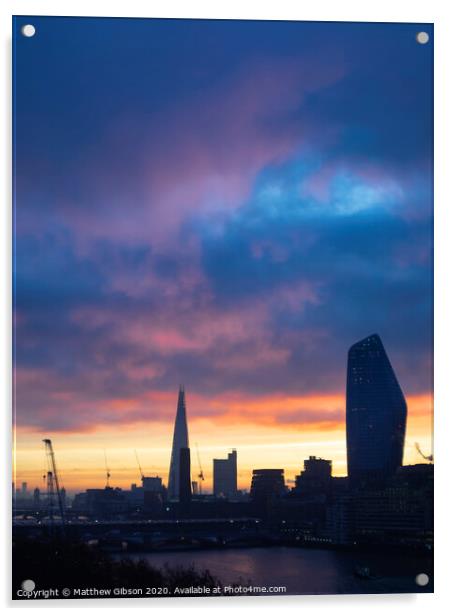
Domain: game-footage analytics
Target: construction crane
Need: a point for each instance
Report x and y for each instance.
(53, 482)
(200, 474)
(50, 495)
(418, 449)
(139, 465)
(107, 470)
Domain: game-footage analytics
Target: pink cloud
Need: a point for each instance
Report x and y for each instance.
(309, 410)
(200, 155)
(189, 320)
(134, 351)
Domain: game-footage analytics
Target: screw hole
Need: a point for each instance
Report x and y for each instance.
(28, 30)
(422, 579)
(422, 38)
(28, 585)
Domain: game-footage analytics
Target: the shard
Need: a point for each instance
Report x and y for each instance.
(180, 441)
(376, 413)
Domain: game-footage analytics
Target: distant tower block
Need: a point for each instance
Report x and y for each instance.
(184, 476)
(225, 476)
(376, 413)
(267, 484)
(180, 441)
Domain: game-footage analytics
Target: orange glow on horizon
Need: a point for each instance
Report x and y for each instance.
(273, 431)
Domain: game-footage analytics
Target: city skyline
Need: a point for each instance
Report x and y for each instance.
(180, 433)
(124, 469)
(233, 222)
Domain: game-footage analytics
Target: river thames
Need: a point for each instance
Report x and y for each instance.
(304, 570)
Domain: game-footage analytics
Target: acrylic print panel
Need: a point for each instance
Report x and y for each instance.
(222, 308)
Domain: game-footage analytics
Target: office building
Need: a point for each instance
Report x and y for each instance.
(184, 476)
(267, 484)
(225, 476)
(315, 478)
(376, 413)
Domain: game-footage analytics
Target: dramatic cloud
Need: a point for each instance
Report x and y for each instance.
(230, 212)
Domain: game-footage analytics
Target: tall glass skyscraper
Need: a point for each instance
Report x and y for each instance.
(180, 441)
(376, 412)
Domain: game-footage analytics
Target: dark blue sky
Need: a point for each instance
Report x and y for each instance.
(225, 204)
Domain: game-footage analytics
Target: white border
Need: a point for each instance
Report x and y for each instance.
(436, 11)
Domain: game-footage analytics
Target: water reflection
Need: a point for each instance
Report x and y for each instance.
(305, 571)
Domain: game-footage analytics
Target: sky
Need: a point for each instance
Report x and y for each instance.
(227, 205)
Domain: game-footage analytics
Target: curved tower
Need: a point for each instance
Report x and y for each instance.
(376, 412)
